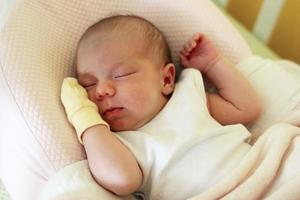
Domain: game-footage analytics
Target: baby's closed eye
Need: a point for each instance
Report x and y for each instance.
(87, 81)
(123, 74)
(89, 85)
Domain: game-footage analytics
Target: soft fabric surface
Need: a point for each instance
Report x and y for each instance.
(37, 44)
(76, 182)
(3, 193)
(278, 85)
(270, 169)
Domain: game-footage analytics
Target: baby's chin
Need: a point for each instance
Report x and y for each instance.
(123, 126)
(117, 129)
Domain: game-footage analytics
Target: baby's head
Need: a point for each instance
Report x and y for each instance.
(124, 63)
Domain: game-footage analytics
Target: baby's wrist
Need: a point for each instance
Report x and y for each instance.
(92, 132)
(214, 62)
(86, 118)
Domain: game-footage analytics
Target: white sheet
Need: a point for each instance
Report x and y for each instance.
(75, 182)
(3, 193)
(278, 85)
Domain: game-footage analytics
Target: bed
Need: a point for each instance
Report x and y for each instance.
(38, 39)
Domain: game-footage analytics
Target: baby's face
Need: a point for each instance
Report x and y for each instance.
(125, 84)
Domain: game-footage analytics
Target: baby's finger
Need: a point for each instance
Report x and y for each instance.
(183, 60)
(183, 52)
(192, 44)
(187, 48)
(197, 36)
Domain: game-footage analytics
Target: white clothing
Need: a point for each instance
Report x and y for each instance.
(181, 151)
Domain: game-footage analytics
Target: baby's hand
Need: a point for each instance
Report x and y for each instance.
(199, 53)
(81, 112)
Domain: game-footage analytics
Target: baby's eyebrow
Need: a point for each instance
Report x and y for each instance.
(125, 63)
(119, 64)
(84, 74)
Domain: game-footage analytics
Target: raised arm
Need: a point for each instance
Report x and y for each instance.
(236, 101)
(111, 163)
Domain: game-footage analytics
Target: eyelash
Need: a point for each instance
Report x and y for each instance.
(88, 86)
(124, 75)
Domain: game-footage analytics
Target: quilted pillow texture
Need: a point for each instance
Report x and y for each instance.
(37, 46)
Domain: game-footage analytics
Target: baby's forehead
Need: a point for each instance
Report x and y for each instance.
(128, 46)
(113, 50)
(101, 37)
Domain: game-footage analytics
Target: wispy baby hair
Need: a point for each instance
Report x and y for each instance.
(114, 26)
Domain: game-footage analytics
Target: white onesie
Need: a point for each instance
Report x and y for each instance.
(183, 151)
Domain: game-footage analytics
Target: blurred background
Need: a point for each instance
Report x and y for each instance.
(273, 23)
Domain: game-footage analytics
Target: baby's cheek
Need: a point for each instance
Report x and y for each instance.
(141, 98)
(91, 95)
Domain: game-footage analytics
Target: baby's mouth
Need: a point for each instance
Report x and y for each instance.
(112, 111)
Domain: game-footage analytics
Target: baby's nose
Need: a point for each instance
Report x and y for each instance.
(104, 90)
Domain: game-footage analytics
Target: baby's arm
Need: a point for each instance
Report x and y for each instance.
(112, 164)
(236, 101)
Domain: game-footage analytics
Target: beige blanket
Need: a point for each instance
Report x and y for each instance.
(270, 170)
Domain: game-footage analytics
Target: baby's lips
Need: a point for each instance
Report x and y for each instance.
(112, 109)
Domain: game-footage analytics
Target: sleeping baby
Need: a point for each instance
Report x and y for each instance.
(142, 131)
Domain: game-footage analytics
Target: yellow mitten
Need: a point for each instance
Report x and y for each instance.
(81, 112)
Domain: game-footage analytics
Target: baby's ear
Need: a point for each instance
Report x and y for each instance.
(168, 79)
